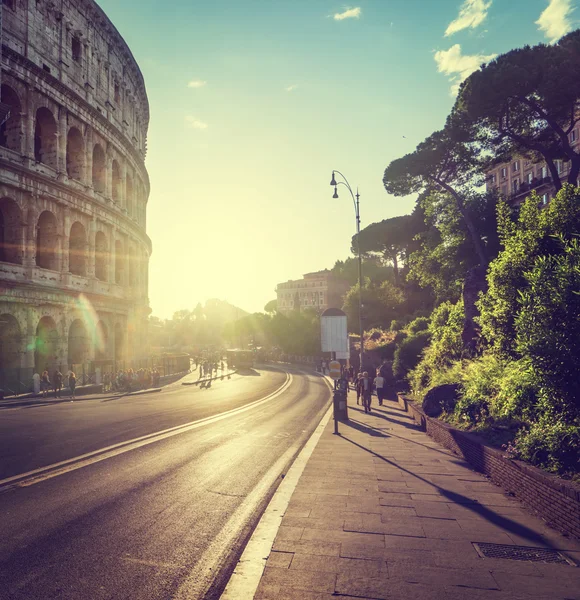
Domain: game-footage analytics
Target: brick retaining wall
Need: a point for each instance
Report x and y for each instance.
(555, 500)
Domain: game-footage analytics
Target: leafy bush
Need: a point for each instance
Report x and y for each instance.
(387, 350)
(550, 444)
(408, 354)
(419, 324)
(445, 327)
(533, 235)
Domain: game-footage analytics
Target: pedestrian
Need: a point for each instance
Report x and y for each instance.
(379, 384)
(359, 387)
(57, 383)
(44, 383)
(367, 391)
(36, 383)
(72, 384)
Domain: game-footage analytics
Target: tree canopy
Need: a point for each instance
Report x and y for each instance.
(526, 103)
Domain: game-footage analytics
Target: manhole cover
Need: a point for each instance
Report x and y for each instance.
(545, 555)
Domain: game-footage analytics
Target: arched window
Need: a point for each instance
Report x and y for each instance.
(78, 343)
(47, 241)
(10, 340)
(129, 195)
(10, 232)
(99, 169)
(119, 342)
(10, 130)
(101, 341)
(75, 154)
(119, 263)
(101, 256)
(116, 182)
(45, 138)
(46, 345)
(78, 249)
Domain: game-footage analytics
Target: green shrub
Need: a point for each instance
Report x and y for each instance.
(550, 444)
(445, 326)
(387, 351)
(419, 324)
(408, 354)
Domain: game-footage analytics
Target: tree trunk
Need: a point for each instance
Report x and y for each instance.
(574, 171)
(554, 174)
(395, 267)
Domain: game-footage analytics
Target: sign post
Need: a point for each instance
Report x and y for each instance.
(334, 336)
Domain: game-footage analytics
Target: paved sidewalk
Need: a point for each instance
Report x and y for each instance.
(384, 512)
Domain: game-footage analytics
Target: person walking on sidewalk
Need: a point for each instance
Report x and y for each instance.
(57, 383)
(72, 384)
(379, 384)
(359, 387)
(367, 392)
(44, 383)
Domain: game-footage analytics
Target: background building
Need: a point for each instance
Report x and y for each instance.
(516, 179)
(73, 190)
(320, 290)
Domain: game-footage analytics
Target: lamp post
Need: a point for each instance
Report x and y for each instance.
(356, 204)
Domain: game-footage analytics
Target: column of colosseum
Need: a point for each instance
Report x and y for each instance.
(74, 252)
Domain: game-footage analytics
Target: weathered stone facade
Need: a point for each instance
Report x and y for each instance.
(74, 253)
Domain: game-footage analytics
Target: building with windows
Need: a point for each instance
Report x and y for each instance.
(318, 291)
(74, 251)
(516, 179)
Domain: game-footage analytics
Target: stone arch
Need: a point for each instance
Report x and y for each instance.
(129, 194)
(10, 342)
(119, 342)
(116, 182)
(47, 241)
(133, 265)
(11, 129)
(77, 249)
(75, 154)
(10, 231)
(78, 343)
(101, 256)
(45, 130)
(119, 262)
(99, 168)
(101, 341)
(46, 346)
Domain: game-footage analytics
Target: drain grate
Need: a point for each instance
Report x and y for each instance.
(545, 555)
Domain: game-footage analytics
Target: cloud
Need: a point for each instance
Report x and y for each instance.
(471, 14)
(194, 123)
(349, 13)
(196, 83)
(457, 66)
(555, 20)
(291, 88)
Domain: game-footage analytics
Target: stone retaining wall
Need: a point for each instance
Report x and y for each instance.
(555, 500)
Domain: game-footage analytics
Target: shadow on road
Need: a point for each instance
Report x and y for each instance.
(249, 373)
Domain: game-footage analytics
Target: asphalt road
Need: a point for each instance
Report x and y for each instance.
(160, 517)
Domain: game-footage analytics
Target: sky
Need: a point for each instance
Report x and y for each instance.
(254, 102)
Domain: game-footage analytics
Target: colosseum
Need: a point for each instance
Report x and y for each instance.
(74, 252)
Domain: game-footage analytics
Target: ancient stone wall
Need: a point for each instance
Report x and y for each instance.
(74, 252)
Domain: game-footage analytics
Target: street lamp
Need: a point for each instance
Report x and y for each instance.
(356, 204)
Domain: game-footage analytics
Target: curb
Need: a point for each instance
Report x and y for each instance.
(248, 572)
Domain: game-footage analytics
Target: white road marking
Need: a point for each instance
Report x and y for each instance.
(43, 473)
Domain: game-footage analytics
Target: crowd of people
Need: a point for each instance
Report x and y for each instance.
(129, 380)
(208, 366)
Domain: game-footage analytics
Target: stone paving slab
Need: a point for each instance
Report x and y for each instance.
(383, 512)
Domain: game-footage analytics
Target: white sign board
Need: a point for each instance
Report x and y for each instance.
(334, 335)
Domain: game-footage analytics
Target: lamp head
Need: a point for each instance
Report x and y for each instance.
(335, 195)
(333, 180)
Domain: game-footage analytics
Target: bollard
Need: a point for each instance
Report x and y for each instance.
(340, 407)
